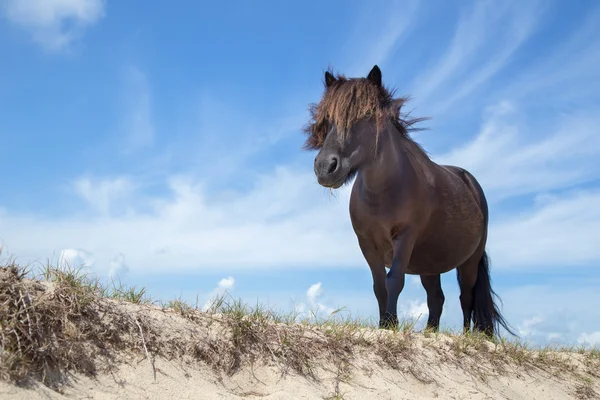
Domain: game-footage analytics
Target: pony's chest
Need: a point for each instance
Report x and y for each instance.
(378, 231)
(370, 214)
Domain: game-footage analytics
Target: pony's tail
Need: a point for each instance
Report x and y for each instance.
(486, 316)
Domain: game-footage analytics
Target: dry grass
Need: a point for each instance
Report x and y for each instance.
(50, 327)
(61, 321)
(585, 389)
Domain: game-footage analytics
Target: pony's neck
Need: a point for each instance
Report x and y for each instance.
(394, 162)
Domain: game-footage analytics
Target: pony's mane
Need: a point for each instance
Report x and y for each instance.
(347, 101)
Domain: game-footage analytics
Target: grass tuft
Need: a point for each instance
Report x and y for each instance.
(44, 328)
(131, 294)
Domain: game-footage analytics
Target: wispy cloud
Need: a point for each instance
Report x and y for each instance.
(592, 338)
(559, 226)
(557, 313)
(276, 224)
(285, 219)
(465, 43)
(569, 70)
(560, 231)
(486, 37)
(376, 42)
(54, 24)
(542, 329)
(137, 119)
(102, 194)
(117, 266)
(225, 137)
(511, 158)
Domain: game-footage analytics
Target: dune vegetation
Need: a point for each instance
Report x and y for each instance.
(66, 334)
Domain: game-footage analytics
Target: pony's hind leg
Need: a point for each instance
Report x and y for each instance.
(435, 300)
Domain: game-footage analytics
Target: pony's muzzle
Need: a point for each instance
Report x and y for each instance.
(326, 169)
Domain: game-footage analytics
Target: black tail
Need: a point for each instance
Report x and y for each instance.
(486, 316)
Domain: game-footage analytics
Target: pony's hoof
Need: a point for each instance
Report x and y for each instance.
(388, 321)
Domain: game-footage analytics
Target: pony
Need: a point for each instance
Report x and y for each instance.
(410, 214)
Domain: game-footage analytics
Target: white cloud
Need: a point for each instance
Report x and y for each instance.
(75, 259)
(314, 292)
(118, 267)
(226, 283)
(315, 308)
(526, 327)
(54, 24)
(590, 338)
(417, 310)
(286, 220)
(224, 286)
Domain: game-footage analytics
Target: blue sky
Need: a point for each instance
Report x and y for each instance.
(162, 143)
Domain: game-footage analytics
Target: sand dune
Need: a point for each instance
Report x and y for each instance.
(61, 339)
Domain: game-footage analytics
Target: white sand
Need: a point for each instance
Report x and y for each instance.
(367, 380)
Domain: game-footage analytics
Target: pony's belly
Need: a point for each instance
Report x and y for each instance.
(432, 259)
(437, 255)
(427, 269)
(429, 260)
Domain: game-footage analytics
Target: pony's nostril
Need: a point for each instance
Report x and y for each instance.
(332, 165)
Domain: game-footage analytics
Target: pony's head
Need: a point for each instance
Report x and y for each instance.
(346, 123)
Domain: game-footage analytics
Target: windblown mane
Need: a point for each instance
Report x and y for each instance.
(349, 100)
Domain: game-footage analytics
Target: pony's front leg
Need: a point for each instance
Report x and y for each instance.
(377, 267)
(394, 281)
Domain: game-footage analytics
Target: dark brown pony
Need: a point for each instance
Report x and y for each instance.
(409, 214)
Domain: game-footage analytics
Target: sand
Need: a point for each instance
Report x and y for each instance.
(367, 379)
(174, 382)
(115, 349)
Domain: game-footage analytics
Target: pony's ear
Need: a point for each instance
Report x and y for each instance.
(375, 76)
(329, 79)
